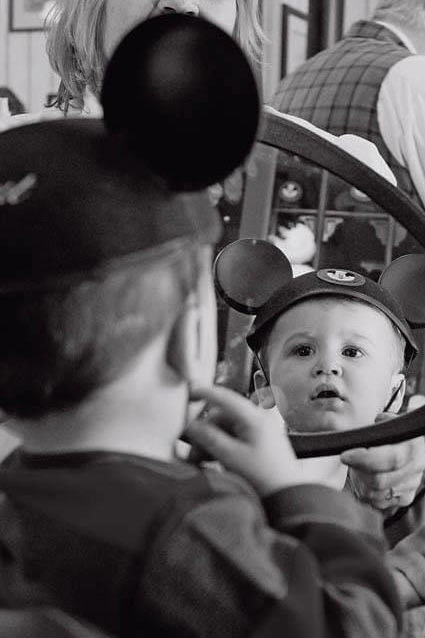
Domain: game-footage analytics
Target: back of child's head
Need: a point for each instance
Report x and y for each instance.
(58, 346)
(97, 256)
(103, 225)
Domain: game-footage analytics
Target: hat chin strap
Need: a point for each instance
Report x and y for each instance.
(393, 396)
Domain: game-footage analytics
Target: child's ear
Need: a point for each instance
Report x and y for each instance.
(398, 389)
(263, 390)
(183, 343)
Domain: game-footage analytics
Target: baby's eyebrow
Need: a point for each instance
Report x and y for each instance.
(299, 335)
(360, 336)
(347, 336)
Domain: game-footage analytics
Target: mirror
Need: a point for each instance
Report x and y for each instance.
(323, 208)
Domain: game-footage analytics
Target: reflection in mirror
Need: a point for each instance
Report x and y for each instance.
(348, 228)
(320, 220)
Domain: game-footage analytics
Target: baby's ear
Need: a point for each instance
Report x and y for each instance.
(399, 381)
(263, 390)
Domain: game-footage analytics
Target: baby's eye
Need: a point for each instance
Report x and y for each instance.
(352, 351)
(303, 350)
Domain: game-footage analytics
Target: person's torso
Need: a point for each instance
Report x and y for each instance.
(338, 89)
(89, 522)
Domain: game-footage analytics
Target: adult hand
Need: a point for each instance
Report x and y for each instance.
(246, 440)
(387, 476)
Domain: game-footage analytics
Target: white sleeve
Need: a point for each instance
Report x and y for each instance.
(362, 149)
(401, 116)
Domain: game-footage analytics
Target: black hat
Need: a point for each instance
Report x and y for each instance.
(334, 282)
(74, 200)
(76, 197)
(254, 277)
(184, 93)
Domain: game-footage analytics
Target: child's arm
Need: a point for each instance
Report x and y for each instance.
(313, 570)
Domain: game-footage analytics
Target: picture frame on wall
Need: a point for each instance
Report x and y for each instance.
(26, 15)
(294, 39)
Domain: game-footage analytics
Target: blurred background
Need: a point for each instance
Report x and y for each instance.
(296, 29)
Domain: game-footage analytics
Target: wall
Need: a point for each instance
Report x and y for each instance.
(272, 14)
(356, 10)
(24, 66)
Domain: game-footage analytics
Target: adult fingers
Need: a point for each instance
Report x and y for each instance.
(391, 497)
(380, 481)
(386, 458)
(379, 492)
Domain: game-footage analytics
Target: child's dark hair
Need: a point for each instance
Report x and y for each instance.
(57, 347)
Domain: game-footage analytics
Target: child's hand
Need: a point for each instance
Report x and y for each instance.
(246, 439)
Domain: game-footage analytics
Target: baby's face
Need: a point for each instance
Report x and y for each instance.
(333, 365)
(123, 15)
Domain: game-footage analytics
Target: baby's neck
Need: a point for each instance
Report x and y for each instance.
(326, 470)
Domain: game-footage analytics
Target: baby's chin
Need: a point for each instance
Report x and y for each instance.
(323, 422)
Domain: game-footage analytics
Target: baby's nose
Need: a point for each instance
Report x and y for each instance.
(189, 7)
(333, 369)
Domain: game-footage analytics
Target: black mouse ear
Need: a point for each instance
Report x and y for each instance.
(404, 278)
(248, 272)
(184, 93)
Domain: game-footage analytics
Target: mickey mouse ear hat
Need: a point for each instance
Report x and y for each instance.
(182, 92)
(77, 198)
(254, 277)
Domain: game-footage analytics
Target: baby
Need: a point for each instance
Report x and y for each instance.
(333, 347)
(333, 354)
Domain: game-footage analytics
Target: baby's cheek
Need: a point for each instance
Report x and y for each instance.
(280, 397)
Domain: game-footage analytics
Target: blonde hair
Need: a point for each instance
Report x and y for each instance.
(75, 44)
(248, 31)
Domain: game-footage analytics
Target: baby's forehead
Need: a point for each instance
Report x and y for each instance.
(351, 315)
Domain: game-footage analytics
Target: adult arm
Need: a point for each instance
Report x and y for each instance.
(401, 117)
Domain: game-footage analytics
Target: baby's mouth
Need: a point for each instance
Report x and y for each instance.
(326, 391)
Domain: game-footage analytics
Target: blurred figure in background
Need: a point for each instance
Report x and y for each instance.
(371, 83)
(83, 34)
